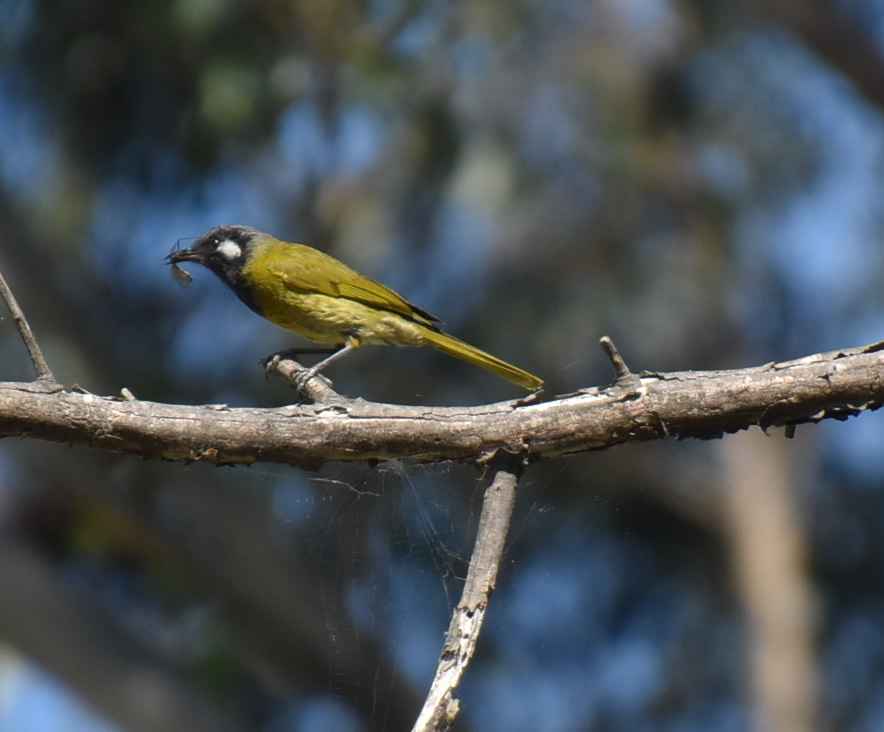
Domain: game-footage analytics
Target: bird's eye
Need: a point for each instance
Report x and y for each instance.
(229, 249)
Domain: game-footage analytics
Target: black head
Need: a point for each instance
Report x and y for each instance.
(224, 250)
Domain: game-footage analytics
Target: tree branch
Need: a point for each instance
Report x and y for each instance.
(686, 404)
(44, 373)
(441, 707)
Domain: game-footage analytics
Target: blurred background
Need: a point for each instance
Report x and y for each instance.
(701, 180)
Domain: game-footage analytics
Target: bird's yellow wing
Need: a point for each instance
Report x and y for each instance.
(309, 270)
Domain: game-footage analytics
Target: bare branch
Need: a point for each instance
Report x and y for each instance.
(441, 707)
(686, 404)
(24, 329)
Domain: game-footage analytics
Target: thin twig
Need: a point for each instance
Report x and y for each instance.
(624, 377)
(620, 368)
(441, 707)
(44, 373)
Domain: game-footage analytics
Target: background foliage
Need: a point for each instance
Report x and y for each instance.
(700, 180)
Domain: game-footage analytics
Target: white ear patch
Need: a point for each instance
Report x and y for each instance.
(230, 250)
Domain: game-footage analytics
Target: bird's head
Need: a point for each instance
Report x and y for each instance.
(224, 250)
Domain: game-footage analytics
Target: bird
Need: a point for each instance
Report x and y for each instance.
(309, 292)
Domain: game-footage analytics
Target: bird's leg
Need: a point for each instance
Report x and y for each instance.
(269, 362)
(304, 376)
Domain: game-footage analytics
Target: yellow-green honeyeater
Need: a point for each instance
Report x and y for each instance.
(313, 294)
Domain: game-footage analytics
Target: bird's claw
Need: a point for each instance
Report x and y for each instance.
(302, 377)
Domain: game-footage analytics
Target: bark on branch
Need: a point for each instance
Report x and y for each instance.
(687, 404)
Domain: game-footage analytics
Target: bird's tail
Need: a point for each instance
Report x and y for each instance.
(464, 351)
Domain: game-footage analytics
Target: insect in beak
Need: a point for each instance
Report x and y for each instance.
(176, 255)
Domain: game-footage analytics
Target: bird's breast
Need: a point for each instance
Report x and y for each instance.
(317, 317)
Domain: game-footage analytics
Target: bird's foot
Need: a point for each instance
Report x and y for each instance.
(272, 361)
(302, 377)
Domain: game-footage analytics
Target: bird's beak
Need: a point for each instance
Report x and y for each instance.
(182, 255)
